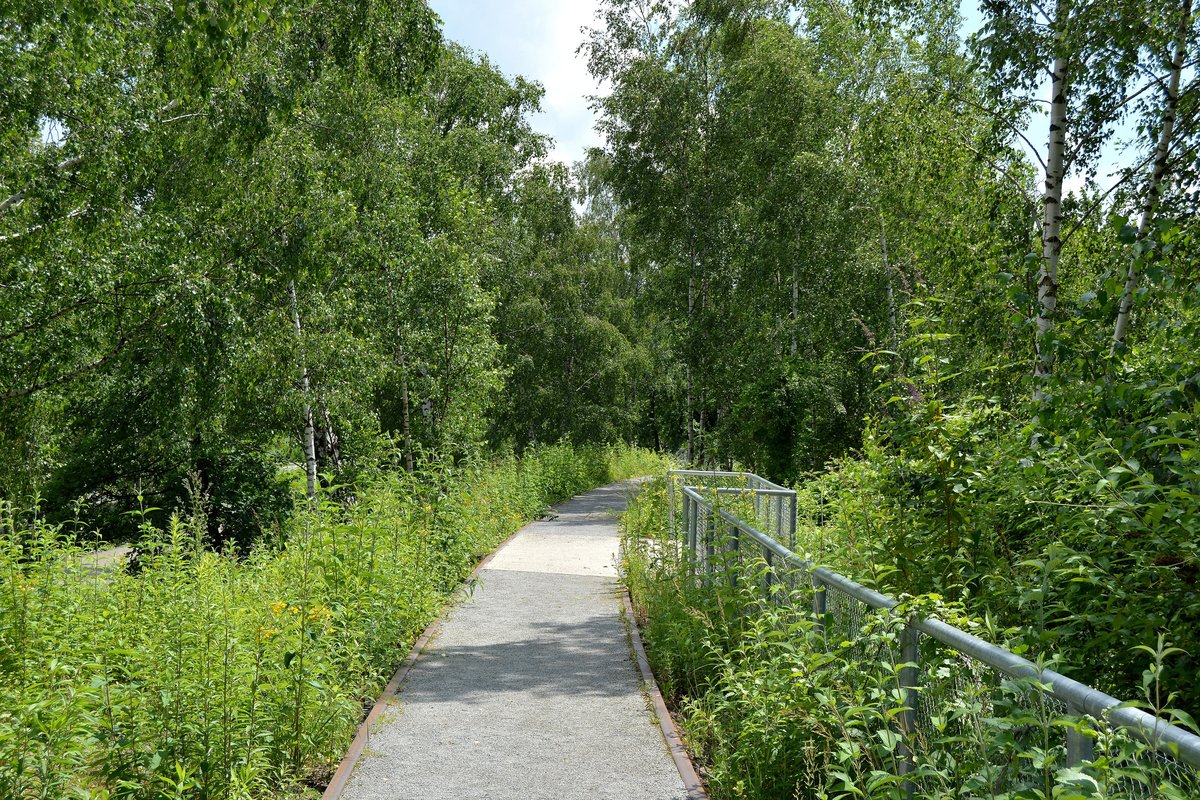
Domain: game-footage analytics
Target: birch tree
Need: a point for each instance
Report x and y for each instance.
(658, 121)
(1159, 168)
(188, 258)
(1090, 55)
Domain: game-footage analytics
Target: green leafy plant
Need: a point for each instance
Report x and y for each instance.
(775, 703)
(218, 674)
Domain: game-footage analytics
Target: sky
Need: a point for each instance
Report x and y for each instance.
(537, 39)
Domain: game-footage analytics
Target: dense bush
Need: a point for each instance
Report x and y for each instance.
(773, 706)
(1081, 533)
(212, 675)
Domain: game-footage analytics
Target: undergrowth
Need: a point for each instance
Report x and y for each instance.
(211, 675)
(776, 704)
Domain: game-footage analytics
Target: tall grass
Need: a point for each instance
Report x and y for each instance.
(206, 675)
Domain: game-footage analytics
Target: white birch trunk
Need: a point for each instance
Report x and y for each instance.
(404, 408)
(309, 440)
(795, 304)
(1047, 284)
(891, 292)
(1157, 174)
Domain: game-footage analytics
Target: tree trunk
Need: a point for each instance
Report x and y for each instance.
(309, 440)
(1047, 285)
(406, 420)
(654, 421)
(330, 442)
(795, 303)
(691, 301)
(891, 292)
(1157, 174)
(629, 417)
(691, 434)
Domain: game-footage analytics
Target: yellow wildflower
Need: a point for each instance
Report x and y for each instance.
(277, 608)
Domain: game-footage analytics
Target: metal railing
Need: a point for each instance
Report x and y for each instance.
(774, 505)
(710, 533)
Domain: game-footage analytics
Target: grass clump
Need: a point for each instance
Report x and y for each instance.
(213, 675)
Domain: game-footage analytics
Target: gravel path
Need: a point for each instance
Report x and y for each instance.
(528, 691)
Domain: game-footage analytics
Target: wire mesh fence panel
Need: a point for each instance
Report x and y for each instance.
(1024, 735)
(844, 616)
(954, 695)
(1150, 774)
(770, 507)
(967, 715)
(703, 536)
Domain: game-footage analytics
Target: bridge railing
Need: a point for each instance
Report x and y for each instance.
(717, 540)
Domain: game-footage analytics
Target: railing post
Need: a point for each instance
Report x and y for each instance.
(905, 701)
(910, 653)
(1080, 748)
(777, 510)
(735, 542)
(818, 603)
(793, 522)
(687, 520)
(689, 532)
(671, 500)
(769, 575)
(710, 545)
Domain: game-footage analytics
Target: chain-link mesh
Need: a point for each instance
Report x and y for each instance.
(1011, 735)
(844, 620)
(1173, 774)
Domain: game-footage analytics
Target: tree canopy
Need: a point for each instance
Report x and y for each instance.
(262, 245)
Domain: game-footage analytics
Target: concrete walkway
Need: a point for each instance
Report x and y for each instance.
(528, 691)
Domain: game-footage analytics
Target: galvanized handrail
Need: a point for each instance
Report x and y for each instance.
(745, 482)
(1171, 740)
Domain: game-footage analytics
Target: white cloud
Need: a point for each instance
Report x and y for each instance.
(568, 83)
(537, 39)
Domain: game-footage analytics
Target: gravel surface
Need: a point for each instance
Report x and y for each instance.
(529, 690)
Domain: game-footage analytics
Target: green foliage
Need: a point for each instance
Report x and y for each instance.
(247, 246)
(234, 233)
(209, 675)
(1075, 528)
(774, 705)
(789, 175)
(567, 319)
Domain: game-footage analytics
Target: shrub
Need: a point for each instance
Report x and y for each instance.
(775, 705)
(209, 674)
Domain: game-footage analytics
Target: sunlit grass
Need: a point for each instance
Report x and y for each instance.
(209, 675)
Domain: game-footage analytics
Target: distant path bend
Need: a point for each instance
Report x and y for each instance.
(528, 690)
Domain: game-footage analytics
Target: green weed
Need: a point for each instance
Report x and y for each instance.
(212, 675)
(776, 705)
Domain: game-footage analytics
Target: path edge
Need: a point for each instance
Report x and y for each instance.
(670, 731)
(341, 776)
